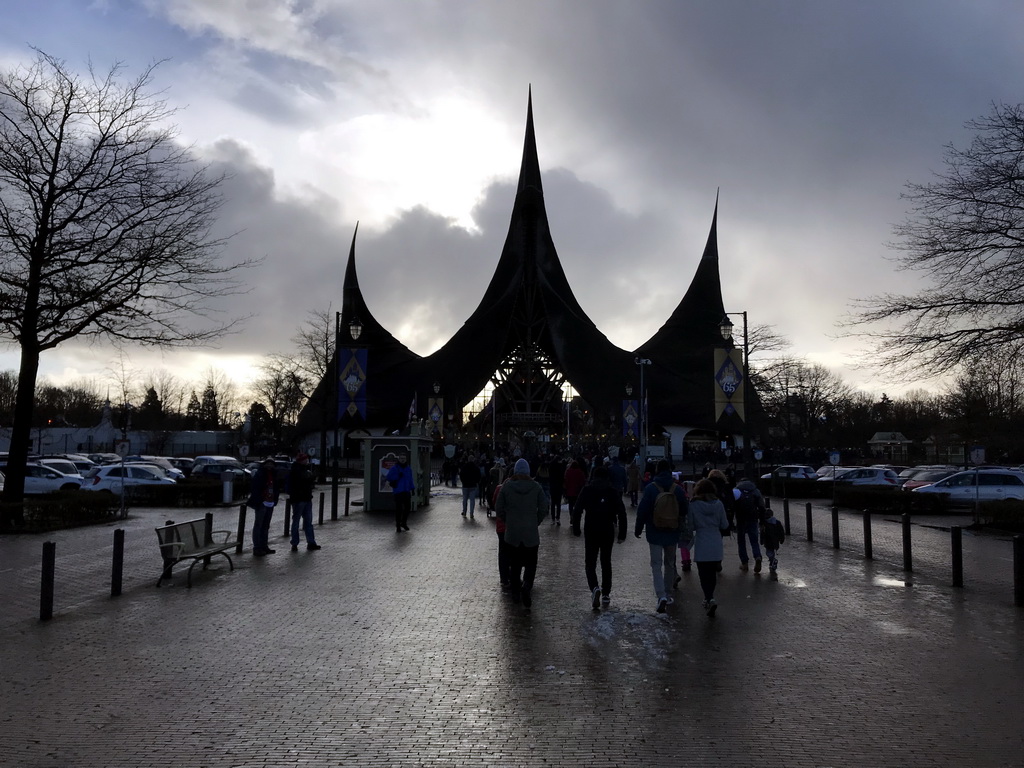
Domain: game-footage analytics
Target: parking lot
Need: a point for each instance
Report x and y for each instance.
(399, 649)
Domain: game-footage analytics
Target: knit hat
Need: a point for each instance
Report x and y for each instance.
(522, 468)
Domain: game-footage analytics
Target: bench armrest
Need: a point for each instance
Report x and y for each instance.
(225, 537)
(172, 549)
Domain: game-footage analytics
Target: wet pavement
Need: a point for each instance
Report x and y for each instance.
(400, 650)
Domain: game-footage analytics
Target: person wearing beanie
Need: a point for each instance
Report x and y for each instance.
(522, 506)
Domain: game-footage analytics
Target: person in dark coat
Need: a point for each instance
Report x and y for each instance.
(263, 498)
(300, 493)
(601, 511)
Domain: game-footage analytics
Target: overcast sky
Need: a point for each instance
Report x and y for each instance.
(408, 117)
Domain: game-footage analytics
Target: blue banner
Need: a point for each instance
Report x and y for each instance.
(630, 417)
(352, 383)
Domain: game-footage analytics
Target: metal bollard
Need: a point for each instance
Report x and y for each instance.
(241, 530)
(117, 568)
(320, 521)
(334, 498)
(835, 527)
(47, 580)
(908, 564)
(1018, 570)
(208, 536)
(785, 516)
(287, 517)
(956, 540)
(868, 555)
(348, 492)
(810, 523)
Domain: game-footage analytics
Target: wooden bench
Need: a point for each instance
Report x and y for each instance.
(193, 540)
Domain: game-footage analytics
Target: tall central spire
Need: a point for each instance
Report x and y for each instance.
(529, 172)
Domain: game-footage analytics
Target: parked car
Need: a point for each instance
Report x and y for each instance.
(868, 476)
(170, 470)
(829, 473)
(182, 463)
(40, 479)
(64, 466)
(210, 470)
(926, 477)
(964, 488)
(114, 478)
(792, 472)
(103, 458)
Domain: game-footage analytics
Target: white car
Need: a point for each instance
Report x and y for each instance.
(964, 488)
(792, 472)
(40, 479)
(64, 466)
(113, 478)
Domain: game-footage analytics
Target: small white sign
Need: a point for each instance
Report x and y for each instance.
(833, 458)
(123, 448)
(243, 451)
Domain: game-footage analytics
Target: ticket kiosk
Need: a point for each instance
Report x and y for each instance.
(380, 454)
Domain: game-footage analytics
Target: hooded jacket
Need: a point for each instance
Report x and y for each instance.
(522, 505)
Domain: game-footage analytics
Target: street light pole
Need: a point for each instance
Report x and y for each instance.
(642, 362)
(726, 327)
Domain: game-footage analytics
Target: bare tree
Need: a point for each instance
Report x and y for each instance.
(314, 344)
(281, 389)
(105, 223)
(965, 234)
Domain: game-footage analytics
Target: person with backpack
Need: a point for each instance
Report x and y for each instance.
(707, 518)
(600, 508)
(748, 510)
(662, 512)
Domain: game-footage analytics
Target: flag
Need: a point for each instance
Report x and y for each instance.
(412, 408)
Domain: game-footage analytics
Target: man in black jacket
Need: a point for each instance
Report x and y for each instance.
(300, 492)
(602, 505)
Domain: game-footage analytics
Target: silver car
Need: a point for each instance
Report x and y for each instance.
(965, 488)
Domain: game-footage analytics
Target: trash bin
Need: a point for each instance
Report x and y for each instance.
(227, 480)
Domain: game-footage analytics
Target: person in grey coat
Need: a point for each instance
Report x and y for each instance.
(710, 524)
(522, 506)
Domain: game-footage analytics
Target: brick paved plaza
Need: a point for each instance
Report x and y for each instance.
(387, 649)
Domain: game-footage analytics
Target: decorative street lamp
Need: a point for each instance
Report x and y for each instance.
(726, 328)
(642, 362)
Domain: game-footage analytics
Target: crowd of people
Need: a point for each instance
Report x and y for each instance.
(684, 522)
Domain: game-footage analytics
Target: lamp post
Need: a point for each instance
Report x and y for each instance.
(642, 362)
(726, 328)
(355, 330)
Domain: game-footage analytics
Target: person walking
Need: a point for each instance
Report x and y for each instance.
(522, 506)
(263, 497)
(300, 493)
(709, 523)
(664, 523)
(556, 483)
(574, 480)
(400, 478)
(497, 473)
(601, 511)
(748, 509)
(469, 476)
(633, 482)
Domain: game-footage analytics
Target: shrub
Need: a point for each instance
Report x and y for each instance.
(66, 509)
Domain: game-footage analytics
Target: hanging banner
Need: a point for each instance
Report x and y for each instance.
(729, 383)
(435, 409)
(352, 383)
(630, 417)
